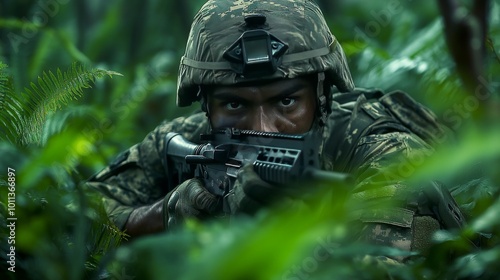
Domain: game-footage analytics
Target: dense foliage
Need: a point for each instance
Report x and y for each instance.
(60, 122)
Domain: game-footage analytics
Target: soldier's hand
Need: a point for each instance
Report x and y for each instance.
(250, 193)
(189, 200)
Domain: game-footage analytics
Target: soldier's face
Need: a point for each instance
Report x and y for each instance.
(286, 106)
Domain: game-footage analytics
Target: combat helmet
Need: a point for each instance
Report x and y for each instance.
(239, 41)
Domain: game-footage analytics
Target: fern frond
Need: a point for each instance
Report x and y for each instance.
(22, 117)
(105, 237)
(51, 93)
(10, 108)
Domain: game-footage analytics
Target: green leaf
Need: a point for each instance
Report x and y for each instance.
(488, 220)
(25, 117)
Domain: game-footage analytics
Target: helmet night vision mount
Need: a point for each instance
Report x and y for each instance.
(256, 52)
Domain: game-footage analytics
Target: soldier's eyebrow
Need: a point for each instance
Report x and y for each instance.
(283, 92)
(228, 96)
(289, 91)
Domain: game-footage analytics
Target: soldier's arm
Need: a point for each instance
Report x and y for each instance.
(135, 183)
(146, 219)
(131, 189)
(382, 154)
(394, 217)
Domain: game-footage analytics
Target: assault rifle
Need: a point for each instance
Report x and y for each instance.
(281, 159)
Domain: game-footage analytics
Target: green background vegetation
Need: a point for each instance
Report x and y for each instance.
(59, 129)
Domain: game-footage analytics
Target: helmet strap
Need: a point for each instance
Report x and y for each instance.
(202, 96)
(319, 124)
(322, 99)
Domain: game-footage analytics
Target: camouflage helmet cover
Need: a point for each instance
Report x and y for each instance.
(298, 23)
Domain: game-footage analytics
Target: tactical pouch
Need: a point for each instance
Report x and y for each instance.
(416, 117)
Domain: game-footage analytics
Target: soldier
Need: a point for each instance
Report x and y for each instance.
(274, 66)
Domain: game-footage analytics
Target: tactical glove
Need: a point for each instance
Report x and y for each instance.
(250, 193)
(188, 200)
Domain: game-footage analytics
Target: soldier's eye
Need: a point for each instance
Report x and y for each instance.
(287, 102)
(233, 106)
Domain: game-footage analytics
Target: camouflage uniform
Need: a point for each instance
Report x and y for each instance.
(137, 177)
(364, 131)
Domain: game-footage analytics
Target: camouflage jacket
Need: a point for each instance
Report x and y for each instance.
(366, 132)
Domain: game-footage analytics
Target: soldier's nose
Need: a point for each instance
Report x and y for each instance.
(263, 121)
